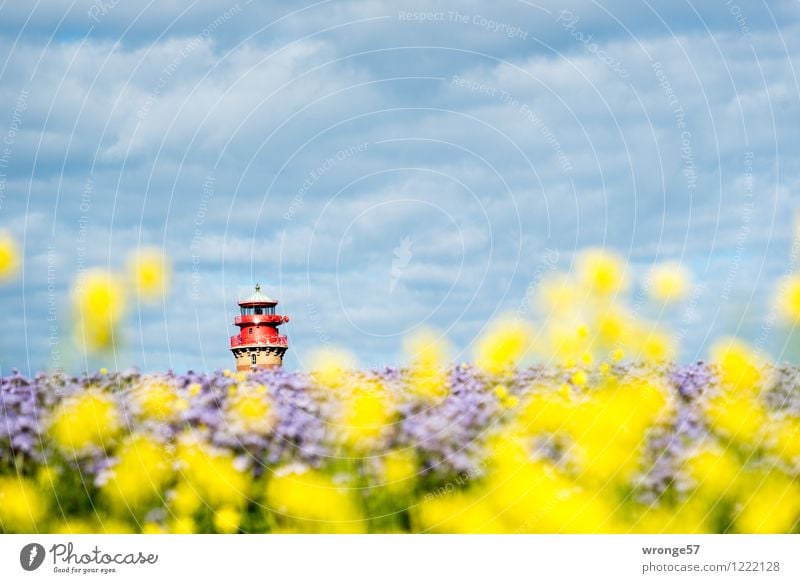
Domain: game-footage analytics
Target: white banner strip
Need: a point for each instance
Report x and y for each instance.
(400, 558)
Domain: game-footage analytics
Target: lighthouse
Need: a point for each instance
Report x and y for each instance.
(258, 344)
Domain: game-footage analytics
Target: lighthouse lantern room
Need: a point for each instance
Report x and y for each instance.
(258, 344)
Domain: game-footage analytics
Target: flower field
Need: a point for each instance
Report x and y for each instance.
(612, 448)
(604, 435)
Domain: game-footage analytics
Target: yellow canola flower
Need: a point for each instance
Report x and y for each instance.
(332, 367)
(714, 471)
(607, 427)
(787, 298)
(75, 526)
(182, 525)
(9, 256)
(427, 352)
(650, 345)
(567, 342)
(770, 506)
(310, 501)
(535, 497)
(22, 507)
(250, 410)
(84, 421)
(503, 346)
(227, 520)
(602, 272)
(149, 272)
(785, 441)
(141, 471)
(738, 417)
(426, 349)
(613, 326)
(366, 414)
(668, 282)
(98, 525)
(610, 429)
(400, 468)
(547, 411)
(184, 500)
(212, 474)
(459, 513)
(739, 366)
(99, 303)
(558, 295)
(157, 399)
(689, 517)
(579, 378)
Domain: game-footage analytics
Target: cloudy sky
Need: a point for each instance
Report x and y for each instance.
(380, 165)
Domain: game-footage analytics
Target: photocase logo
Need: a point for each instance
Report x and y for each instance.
(31, 556)
(402, 257)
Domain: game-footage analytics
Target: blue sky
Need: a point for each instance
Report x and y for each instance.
(380, 166)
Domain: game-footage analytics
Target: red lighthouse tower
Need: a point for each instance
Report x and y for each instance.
(258, 343)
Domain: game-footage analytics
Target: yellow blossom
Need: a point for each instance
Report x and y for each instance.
(770, 506)
(22, 507)
(613, 326)
(331, 367)
(158, 400)
(602, 272)
(501, 392)
(579, 378)
(739, 366)
(366, 414)
(609, 429)
(655, 346)
(502, 347)
(458, 513)
(566, 341)
(427, 352)
(182, 525)
(227, 520)
(141, 471)
(249, 410)
(9, 256)
(786, 440)
(83, 421)
(534, 497)
(737, 416)
(558, 294)
(310, 500)
(212, 473)
(668, 282)
(714, 471)
(149, 272)
(787, 298)
(184, 499)
(99, 303)
(399, 470)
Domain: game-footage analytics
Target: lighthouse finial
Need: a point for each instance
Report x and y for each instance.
(258, 287)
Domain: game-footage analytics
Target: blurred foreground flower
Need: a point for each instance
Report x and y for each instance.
(668, 282)
(9, 256)
(99, 304)
(149, 272)
(502, 347)
(85, 421)
(787, 299)
(602, 272)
